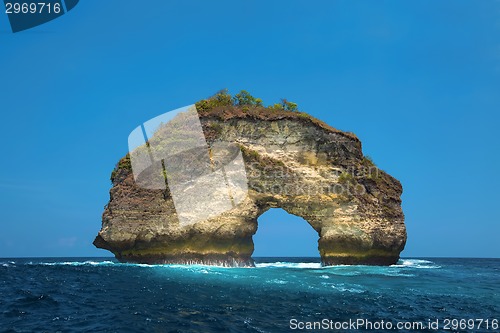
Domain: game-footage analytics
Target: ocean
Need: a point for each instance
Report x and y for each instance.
(279, 295)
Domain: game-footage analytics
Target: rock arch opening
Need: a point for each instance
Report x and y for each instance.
(281, 234)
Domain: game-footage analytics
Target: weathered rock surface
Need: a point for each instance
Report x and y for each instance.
(293, 162)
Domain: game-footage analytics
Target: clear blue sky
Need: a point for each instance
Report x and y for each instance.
(417, 81)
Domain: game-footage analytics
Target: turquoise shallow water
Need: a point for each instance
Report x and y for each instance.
(101, 295)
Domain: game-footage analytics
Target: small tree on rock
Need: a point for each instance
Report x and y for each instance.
(289, 106)
(244, 98)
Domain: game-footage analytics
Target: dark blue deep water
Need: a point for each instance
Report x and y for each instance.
(101, 295)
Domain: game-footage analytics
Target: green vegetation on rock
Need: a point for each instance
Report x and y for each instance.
(243, 99)
(123, 164)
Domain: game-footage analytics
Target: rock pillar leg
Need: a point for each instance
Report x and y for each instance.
(351, 246)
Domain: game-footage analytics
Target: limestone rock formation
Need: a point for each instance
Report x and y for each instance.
(293, 162)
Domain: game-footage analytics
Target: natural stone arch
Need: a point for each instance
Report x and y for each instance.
(294, 163)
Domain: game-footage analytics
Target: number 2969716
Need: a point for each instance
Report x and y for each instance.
(32, 8)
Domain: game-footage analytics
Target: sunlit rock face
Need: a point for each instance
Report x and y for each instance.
(292, 161)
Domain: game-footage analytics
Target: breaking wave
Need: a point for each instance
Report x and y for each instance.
(416, 263)
(280, 264)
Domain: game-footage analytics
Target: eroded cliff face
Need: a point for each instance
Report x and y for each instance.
(293, 162)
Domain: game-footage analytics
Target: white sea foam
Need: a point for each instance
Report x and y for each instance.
(8, 263)
(415, 263)
(196, 267)
(367, 270)
(74, 263)
(141, 265)
(345, 287)
(393, 270)
(353, 269)
(350, 290)
(280, 264)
